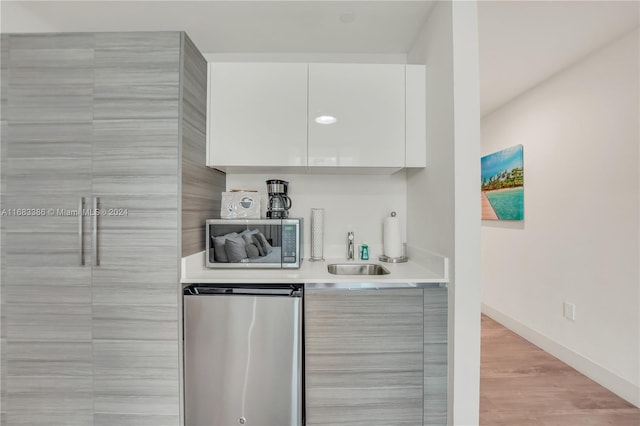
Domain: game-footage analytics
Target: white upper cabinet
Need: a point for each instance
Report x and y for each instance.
(367, 117)
(415, 116)
(257, 115)
(368, 105)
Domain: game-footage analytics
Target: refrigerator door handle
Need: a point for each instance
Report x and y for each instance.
(94, 237)
(291, 290)
(81, 230)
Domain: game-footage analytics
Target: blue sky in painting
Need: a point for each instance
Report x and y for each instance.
(500, 161)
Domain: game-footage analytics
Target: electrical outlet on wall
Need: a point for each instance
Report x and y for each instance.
(569, 310)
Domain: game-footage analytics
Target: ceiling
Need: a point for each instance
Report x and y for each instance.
(525, 42)
(521, 42)
(376, 27)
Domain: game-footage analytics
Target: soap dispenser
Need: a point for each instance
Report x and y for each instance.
(364, 252)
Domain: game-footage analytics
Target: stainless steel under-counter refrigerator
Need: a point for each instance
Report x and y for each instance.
(243, 355)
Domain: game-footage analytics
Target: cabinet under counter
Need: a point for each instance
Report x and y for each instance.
(376, 353)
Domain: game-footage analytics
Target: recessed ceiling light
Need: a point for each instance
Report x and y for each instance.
(325, 119)
(347, 17)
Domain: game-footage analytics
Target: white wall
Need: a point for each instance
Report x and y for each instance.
(15, 16)
(579, 240)
(357, 203)
(443, 209)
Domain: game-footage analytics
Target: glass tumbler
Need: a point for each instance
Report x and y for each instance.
(317, 234)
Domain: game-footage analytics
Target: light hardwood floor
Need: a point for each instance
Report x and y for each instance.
(522, 385)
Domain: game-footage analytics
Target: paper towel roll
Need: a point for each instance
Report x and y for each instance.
(392, 240)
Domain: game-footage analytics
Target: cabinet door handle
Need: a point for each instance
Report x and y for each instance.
(81, 230)
(94, 239)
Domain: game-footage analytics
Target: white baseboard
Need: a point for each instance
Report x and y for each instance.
(596, 372)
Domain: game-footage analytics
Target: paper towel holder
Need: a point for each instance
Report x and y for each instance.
(401, 259)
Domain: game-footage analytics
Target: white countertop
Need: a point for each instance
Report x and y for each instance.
(194, 271)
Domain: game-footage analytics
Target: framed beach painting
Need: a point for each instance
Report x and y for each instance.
(503, 185)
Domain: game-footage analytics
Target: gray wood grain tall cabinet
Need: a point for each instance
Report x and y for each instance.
(90, 304)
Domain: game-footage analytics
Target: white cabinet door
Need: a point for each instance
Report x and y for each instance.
(257, 115)
(368, 103)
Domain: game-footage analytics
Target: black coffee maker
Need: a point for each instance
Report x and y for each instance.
(279, 202)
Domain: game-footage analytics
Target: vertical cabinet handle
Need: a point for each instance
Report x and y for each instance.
(94, 239)
(81, 230)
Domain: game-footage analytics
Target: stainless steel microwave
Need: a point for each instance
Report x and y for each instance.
(254, 243)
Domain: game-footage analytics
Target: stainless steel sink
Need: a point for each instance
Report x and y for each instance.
(357, 269)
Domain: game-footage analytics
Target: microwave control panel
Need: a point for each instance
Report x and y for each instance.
(289, 243)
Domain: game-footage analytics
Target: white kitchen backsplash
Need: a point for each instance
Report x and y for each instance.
(357, 203)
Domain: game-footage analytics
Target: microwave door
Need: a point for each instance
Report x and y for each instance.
(244, 243)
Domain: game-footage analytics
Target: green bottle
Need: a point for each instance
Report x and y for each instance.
(364, 252)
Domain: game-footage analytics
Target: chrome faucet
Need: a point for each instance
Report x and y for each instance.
(350, 246)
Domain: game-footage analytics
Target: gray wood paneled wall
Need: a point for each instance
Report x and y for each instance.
(201, 185)
(118, 116)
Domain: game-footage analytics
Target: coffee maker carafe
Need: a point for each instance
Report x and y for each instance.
(279, 202)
